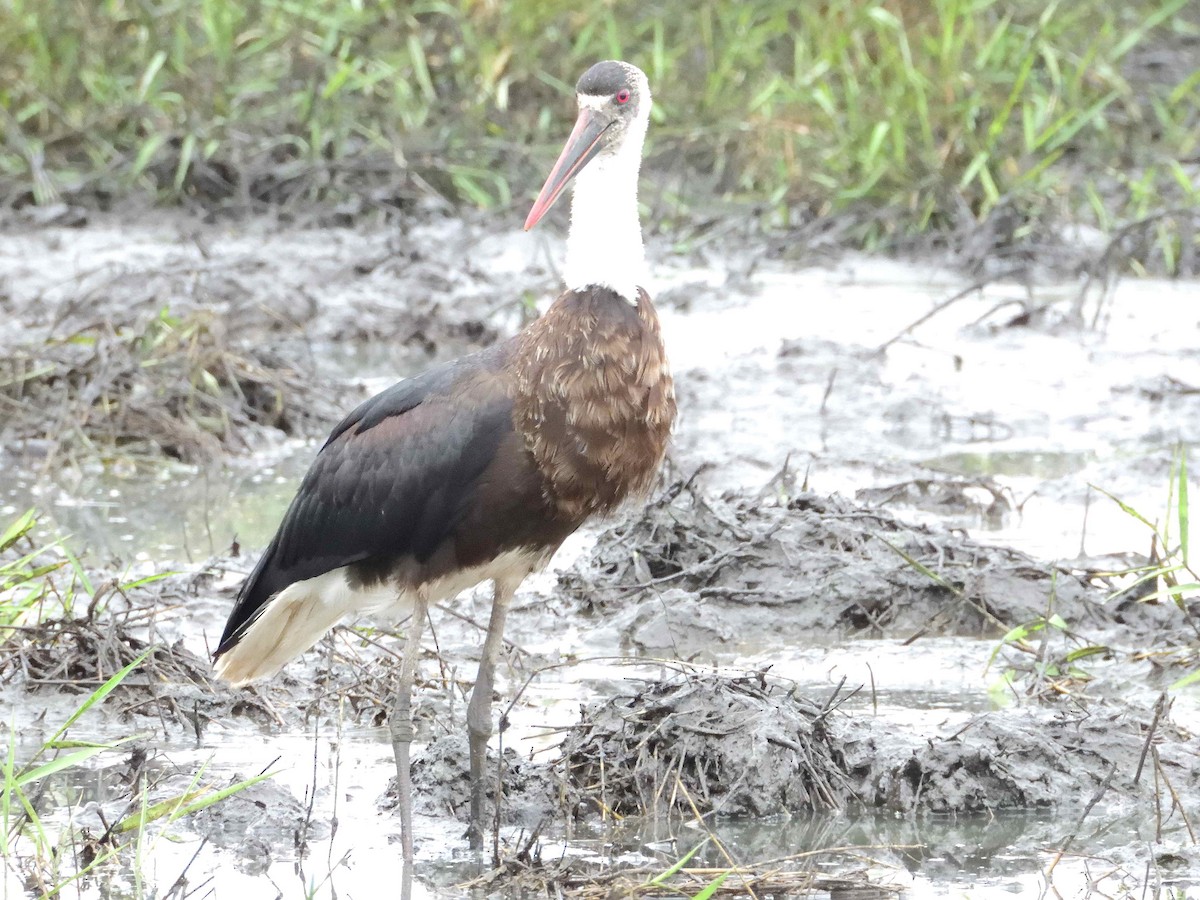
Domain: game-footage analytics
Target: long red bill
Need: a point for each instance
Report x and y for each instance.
(582, 145)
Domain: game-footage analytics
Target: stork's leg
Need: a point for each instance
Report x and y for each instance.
(479, 709)
(401, 725)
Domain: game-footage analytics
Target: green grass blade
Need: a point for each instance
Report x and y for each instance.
(146, 153)
(187, 154)
(186, 803)
(8, 789)
(1125, 507)
(1190, 678)
(675, 867)
(1000, 120)
(150, 579)
(1186, 88)
(100, 693)
(1146, 25)
(1173, 592)
(65, 761)
(416, 55)
(1085, 652)
(147, 79)
(17, 529)
(1070, 124)
(80, 572)
(712, 888)
(925, 570)
(1182, 501)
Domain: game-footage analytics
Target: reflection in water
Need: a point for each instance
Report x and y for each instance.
(987, 855)
(163, 512)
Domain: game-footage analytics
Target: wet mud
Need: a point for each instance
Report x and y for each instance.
(708, 570)
(200, 342)
(830, 525)
(750, 746)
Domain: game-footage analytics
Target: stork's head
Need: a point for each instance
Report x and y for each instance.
(614, 110)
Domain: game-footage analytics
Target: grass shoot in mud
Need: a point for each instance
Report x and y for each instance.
(1168, 560)
(1048, 671)
(42, 587)
(24, 584)
(1051, 653)
(32, 591)
(922, 115)
(29, 843)
(48, 856)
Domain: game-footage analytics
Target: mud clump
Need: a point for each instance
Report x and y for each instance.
(1030, 759)
(70, 655)
(708, 571)
(442, 784)
(1011, 760)
(179, 387)
(76, 653)
(211, 343)
(259, 822)
(748, 746)
(740, 747)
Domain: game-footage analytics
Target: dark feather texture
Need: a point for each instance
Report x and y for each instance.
(393, 481)
(509, 449)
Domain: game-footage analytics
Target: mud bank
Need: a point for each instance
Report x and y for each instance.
(669, 748)
(750, 746)
(695, 574)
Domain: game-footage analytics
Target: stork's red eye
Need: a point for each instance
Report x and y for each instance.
(623, 95)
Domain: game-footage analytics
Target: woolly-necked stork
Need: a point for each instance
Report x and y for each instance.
(478, 469)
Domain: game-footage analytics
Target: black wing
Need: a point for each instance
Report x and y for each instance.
(392, 481)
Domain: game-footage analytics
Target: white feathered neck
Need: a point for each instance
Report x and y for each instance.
(604, 245)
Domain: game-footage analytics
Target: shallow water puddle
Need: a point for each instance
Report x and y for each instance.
(352, 847)
(164, 512)
(939, 856)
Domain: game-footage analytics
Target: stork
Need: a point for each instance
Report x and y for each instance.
(478, 469)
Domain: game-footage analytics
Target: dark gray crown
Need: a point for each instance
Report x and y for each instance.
(606, 78)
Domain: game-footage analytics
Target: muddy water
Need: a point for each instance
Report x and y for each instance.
(1043, 411)
(784, 366)
(778, 366)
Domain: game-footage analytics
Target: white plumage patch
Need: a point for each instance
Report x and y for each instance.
(299, 615)
(295, 619)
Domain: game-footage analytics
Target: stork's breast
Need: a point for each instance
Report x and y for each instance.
(595, 403)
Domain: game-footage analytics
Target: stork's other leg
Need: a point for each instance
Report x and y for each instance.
(479, 709)
(401, 724)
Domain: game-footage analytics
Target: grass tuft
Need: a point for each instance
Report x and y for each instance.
(1168, 573)
(924, 114)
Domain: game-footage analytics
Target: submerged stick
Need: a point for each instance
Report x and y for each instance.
(946, 304)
